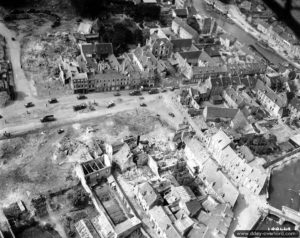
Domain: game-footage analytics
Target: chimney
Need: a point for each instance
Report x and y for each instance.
(138, 140)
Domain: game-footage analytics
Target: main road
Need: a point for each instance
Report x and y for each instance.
(23, 87)
(20, 120)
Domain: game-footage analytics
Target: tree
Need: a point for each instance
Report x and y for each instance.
(90, 8)
(4, 98)
(192, 22)
(147, 11)
(80, 198)
(121, 38)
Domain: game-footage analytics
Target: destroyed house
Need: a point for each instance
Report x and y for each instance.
(85, 229)
(96, 169)
(40, 206)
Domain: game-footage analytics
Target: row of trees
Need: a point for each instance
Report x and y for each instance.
(96, 8)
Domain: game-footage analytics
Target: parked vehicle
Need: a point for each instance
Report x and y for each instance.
(59, 131)
(7, 134)
(117, 94)
(13, 39)
(79, 107)
(171, 114)
(153, 91)
(53, 100)
(164, 90)
(135, 93)
(48, 118)
(143, 105)
(81, 97)
(111, 104)
(29, 104)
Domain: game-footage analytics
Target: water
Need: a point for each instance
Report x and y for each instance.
(284, 187)
(284, 190)
(236, 31)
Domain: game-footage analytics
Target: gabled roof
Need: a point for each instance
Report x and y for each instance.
(274, 97)
(164, 222)
(98, 49)
(185, 26)
(234, 96)
(220, 140)
(85, 27)
(191, 55)
(247, 153)
(213, 50)
(104, 48)
(226, 36)
(181, 12)
(148, 193)
(220, 112)
(206, 58)
(181, 43)
(220, 183)
(194, 206)
(262, 23)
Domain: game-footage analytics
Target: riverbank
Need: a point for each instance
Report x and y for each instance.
(242, 23)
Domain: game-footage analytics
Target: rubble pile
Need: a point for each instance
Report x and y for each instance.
(67, 146)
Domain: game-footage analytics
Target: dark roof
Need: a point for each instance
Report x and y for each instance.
(181, 12)
(191, 54)
(245, 81)
(104, 48)
(181, 43)
(247, 154)
(295, 102)
(216, 81)
(212, 51)
(79, 36)
(194, 207)
(220, 112)
(226, 81)
(98, 49)
(235, 80)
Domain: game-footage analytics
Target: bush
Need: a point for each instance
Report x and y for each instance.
(80, 198)
(4, 99)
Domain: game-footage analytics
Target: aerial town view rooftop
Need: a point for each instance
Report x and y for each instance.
(149, 118)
